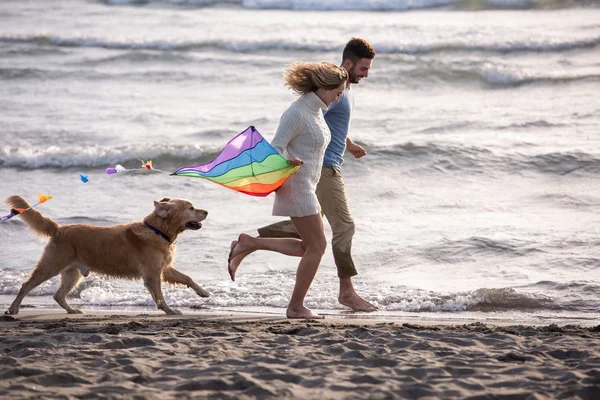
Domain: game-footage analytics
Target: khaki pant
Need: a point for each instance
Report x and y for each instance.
(331, 193)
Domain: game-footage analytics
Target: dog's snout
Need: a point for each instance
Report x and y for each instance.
(201, 214)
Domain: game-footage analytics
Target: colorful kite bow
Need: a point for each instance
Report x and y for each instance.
(248, 164)
(42, 198)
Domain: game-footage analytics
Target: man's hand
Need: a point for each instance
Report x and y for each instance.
(356, 150)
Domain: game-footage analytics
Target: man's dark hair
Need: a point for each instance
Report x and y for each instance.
(356, 49)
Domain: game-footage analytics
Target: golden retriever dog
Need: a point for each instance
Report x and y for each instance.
(137, 250)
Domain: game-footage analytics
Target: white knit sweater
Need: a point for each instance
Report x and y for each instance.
(304, 134)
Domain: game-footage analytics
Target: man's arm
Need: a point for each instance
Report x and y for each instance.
(356, 150)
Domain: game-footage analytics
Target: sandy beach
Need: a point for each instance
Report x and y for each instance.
(48, 354)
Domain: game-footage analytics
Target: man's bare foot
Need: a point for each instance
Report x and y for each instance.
(239, 250)
(356, 303)
(302, 313)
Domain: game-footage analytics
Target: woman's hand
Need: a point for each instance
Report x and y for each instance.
(295, 161)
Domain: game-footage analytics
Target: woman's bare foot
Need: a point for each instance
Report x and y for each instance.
(302, 313)
(239, 250)
(356, 303)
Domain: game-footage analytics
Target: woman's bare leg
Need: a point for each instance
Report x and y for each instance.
(313, 238)
(247, 244)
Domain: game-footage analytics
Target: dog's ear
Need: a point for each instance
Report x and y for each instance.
(162, 208)
(165, 199)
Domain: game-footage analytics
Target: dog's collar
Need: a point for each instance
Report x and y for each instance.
(158, 232)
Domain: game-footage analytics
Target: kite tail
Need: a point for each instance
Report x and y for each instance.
(41, 225)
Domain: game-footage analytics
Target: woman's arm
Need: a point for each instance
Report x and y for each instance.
(288, 129)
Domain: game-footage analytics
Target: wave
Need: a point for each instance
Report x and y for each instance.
(248, 46)
(494, 79)
(26, 73)
(430, 156)
(499, 78)
(144, 57)
(488, 74)
(570, 296)
(372, 5)
(570, 201)
(448, 158)
(540, 123)
(455, 251)
(484, 299)
(145, 76)
(241, 46)
(77, 157)
(562, 163)
(468, 125)
(491, 75)
(578, 286)
(542, 296)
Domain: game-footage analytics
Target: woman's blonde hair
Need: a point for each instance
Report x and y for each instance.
(308, 77)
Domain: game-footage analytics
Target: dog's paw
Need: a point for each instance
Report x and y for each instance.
(172, 311)
(202, 293)
(75, 311)
(11, 312)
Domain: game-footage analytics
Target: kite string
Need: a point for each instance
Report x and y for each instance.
(145, 165)
(84, 178)
(16, 211)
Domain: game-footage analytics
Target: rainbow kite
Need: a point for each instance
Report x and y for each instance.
(248, 164)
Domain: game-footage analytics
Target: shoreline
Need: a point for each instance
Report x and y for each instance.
(232, 316)
(430, 318)
(122, 355)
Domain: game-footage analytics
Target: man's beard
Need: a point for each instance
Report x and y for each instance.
(352, 77)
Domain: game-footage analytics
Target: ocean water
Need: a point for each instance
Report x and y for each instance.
(479, 197)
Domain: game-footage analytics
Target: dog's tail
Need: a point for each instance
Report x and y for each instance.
(41, 225)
